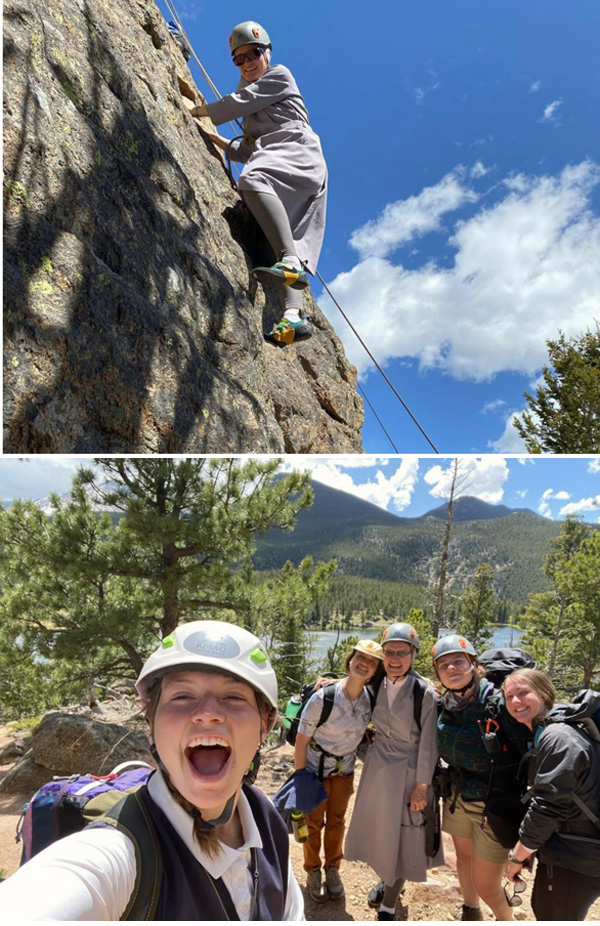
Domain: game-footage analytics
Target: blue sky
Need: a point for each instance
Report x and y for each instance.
(408, 486)
(462, 139)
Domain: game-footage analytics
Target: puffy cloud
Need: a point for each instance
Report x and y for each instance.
(482, 477)
(584, 504)
(393, 492)
(524, 267)
(510, 440)
(547, 496)
(594, 466)
(403, 220)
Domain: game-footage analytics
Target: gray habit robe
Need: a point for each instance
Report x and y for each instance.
(284, 155)
(383, 831)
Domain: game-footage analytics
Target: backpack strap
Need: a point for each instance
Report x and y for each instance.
(328, 699)
(130, 815)
(418, 696)
(419, 690)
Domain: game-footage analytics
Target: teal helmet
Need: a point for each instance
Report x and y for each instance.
(401, 632)
(453, 643)
(248, 33)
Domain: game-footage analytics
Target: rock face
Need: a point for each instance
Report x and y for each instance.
(132, 323)
(64, 744)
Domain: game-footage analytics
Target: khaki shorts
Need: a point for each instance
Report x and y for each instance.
(466, 821)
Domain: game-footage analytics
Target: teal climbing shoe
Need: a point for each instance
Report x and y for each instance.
(285, 272)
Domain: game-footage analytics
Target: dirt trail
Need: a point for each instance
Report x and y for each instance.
(437, 900)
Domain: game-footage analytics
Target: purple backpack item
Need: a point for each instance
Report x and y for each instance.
(57, 809)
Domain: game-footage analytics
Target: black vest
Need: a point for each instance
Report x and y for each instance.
(188, 893)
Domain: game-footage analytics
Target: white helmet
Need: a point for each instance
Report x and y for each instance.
(216, 645)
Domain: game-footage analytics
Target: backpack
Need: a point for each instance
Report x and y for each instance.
(299, 702)
(66, 805)
(499, 663)
(583, 713)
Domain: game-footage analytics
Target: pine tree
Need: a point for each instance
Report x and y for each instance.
(564, 414)
(557, 622)
(95, 592)
(478, 608)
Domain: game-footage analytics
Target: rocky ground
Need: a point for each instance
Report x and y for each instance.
(438, 900)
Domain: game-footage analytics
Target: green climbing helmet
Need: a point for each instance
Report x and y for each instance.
(248, 33)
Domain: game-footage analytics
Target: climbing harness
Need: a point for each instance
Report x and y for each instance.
(171, 7)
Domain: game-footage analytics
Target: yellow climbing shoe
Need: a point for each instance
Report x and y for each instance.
(286, 332)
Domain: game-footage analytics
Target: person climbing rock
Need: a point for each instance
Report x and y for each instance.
(179, 39)
(284, 179)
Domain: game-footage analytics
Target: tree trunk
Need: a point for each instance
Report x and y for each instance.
(439, 603)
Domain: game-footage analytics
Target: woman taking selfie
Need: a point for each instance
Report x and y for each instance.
(210, 698)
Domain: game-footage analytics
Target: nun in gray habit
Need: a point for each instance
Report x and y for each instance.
(284, 180)
(387, 829)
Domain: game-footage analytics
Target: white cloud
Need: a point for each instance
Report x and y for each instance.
(479, 170)
(594, 466)
(392, 492)
(535, 86)
(484, 478)
(584, 504)
(550, 112)
(522, 493)
(36, 477)
(405, 219)
(524, 267)
(494, 406)
(547, 496)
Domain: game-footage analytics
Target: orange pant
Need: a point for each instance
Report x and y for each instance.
(330, 815)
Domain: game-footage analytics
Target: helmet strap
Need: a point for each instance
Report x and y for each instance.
(465, 688)
(208, 825)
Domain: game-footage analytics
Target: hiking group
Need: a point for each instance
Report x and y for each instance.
(198, 840)
(284, 178)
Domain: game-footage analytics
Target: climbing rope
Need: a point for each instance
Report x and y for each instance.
(383, 428)
(172, 10)
(386, 378)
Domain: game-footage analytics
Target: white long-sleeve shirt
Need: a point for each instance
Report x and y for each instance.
(90, 875)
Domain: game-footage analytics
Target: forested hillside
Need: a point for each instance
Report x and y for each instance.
(372, 544)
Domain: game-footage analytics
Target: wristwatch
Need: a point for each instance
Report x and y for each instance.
(513, 858)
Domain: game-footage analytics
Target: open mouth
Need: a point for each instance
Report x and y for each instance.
(208, 755)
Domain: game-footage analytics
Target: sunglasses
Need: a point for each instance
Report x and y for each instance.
(251, 55)
(518, 887)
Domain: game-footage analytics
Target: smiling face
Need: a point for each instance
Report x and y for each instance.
(523, 702)
(397, 658)
(362, 667)
(252, 70)
(207, 728)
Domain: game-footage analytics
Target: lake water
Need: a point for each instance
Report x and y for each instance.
(324, 639)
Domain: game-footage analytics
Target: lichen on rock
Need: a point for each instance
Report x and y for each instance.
(130, 309)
